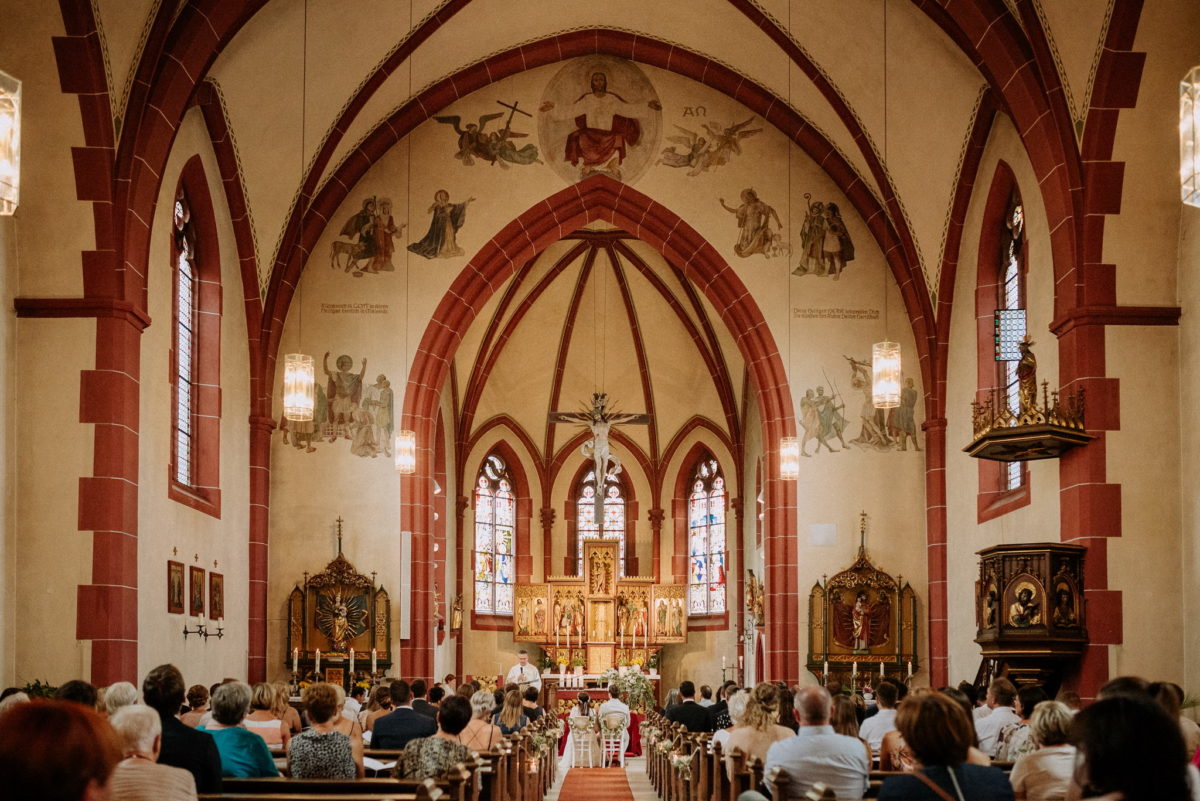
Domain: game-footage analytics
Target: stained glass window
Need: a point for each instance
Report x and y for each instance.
(185, 343)
(614, 517)
(706, 540)
(1012, 297)
(495, 533)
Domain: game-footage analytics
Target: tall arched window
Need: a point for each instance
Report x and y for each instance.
(495, 538)
(1011, 297)
(706, 540)
(194, 470)
(586, 526)
(185, 343)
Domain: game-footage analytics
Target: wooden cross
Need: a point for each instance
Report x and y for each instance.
(604, 462)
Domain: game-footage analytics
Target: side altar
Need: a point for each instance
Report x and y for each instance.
(600, 620)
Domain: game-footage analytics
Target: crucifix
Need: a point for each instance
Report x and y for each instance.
(605, 463)
(339, 525)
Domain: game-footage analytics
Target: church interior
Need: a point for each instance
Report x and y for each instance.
(819, 328)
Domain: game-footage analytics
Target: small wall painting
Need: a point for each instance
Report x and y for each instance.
(366, 245)
(445, 221)
(216, 596)
(475, 141)
(196, 590)
(175, 588)
(1065, 615)
(599, 115)
(754, 227)
(1025, 608)
(825, 244)
(707, 151)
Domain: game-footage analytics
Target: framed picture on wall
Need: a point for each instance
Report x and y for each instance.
(174, 588)
(196, 590)
(216, 596)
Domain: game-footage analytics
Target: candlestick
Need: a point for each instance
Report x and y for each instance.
(296, 660)
(317, 663)
(373, 656)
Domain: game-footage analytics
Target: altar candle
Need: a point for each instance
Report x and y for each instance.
(910, 668)
(881, 670)
(373, 659)
(741, 661)
(317, 664)
(853, 670)
(722, 662)
(825, 671)
(296, 660)
(351, 664)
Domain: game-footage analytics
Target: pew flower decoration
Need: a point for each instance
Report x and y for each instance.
(683, 765)
(544, 740)
(664, 746)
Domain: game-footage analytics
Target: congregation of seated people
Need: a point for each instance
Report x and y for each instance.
(171, 742)
(1131, 744)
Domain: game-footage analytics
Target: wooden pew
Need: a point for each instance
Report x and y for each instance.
(720, 778)
(274, 789)
(746, 774)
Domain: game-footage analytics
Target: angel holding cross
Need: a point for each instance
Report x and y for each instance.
(494, 147)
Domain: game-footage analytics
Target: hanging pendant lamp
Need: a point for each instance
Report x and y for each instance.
(885, 355)
(299, 387)
(10, 143)
(1189, 129)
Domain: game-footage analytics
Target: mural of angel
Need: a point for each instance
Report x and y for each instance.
(825, 244)
(708, 151)
(860, 625)
(341, 618)
(494, 147)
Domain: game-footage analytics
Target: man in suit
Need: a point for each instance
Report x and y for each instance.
(689, 713)
(182, 747)
(403, 723)
(420, 703)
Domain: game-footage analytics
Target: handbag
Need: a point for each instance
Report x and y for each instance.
(942, 794)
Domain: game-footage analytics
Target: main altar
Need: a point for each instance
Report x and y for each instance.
(600, 620)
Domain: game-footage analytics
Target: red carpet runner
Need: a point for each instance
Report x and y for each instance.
(595, 784)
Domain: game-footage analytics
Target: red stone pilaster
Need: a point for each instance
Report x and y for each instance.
(257, 544)
(935, 525)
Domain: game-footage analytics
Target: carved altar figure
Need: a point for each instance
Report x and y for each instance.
(341, 618)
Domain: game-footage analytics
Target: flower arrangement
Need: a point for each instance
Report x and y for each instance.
(544, 740)
(577, 661)
(364, 683)
(635, 688)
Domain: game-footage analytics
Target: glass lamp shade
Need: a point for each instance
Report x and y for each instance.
(299, 387)
(789, 458)
(1189, 129)
(10, 143)
(406, 452)
(885, 375)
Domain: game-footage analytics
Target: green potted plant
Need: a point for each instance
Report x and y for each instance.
(577, 663)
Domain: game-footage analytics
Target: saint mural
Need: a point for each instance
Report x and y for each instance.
(599, 115)
(755, 234)
(446, 220)
(345, 409)
(365, 245)
(825, 244)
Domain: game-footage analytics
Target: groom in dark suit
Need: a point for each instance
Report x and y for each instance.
(688, 712)
(395, 729)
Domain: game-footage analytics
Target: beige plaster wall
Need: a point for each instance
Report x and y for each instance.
(167, 529)
(8, 447)
(1188, 448)
(1039, 521)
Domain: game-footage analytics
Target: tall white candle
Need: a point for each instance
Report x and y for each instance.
(854, 670)
(722, 661)
(881, 670)
(825, 671)
(374, 656)
(910, 668)
(296, 660)
(317, 663)
(351, 664)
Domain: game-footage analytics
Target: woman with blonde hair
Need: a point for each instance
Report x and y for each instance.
(284, 710)
(480, 735)
(350, 728)
(511, 716)
(844, 719)
(759, 729)
(262, 719)
(1045, 774)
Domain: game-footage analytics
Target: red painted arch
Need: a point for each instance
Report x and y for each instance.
(600, 198)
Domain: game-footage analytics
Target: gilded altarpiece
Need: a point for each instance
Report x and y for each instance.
(334, 613)
(862, 622)
(601, 619)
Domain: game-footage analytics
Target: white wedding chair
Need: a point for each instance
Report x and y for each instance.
(581, 737)
(614, 738)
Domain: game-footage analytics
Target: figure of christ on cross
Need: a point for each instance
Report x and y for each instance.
(600, 421)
